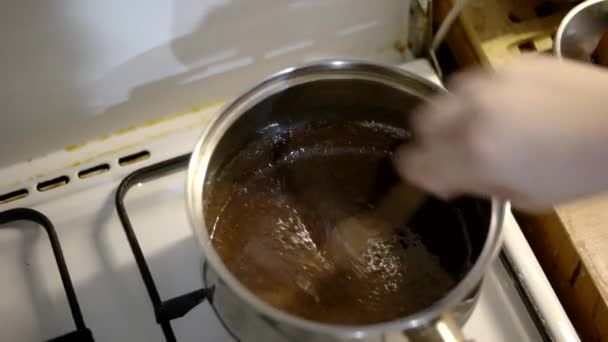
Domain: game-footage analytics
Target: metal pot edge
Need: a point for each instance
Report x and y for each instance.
(197, 172)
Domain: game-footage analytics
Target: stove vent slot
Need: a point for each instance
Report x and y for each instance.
(13, 196)
(133, 158)
(94, 171)
(53, 183)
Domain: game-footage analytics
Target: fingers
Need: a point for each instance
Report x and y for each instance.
(422, 162)
(442, 160)
(447, 178)
(430, 171)
(500, 132)
(437, 116)
(413, 167)
(446, 112)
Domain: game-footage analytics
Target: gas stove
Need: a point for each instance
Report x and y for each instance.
(119, 261)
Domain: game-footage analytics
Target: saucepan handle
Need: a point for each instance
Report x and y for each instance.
(444, 329)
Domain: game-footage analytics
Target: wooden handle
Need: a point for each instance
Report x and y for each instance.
(399, 204)
(444, 329)
(349, 238)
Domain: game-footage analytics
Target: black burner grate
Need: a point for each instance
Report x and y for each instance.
(82, 333)
(167, 310)
(170, 309)
(164, 310)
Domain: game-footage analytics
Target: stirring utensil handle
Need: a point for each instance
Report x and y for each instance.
(400, 203)
(444, 329)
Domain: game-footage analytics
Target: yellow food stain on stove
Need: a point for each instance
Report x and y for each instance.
(150, 123)
(198, 123)
(110, 152)
(193, 110)
(15, 184)
(71, 148)
(399, 46)
(38, 176)
(74, 164)
(75, 146)
(104, 137)
(126, 130)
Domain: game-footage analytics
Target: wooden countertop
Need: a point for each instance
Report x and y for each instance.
(571, 242)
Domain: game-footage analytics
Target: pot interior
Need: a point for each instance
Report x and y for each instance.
(300, 162)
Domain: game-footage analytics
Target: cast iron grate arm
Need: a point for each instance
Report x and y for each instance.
(164, 310)
(82, 333)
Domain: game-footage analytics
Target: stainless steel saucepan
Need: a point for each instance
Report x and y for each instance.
(581, 29)
(334, 91)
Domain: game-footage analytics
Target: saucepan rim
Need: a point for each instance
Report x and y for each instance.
(317, 71)
(575, 11)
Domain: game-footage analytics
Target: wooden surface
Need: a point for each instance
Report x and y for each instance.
(571, 242)
(496, 31)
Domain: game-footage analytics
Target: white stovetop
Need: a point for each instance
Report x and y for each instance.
(111, 293)
(112, 296)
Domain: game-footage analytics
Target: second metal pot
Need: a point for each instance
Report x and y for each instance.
(581, 29)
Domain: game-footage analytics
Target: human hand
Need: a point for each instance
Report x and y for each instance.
(533, 132)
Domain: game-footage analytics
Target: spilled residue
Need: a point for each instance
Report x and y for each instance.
(149, 123)
(75, 146)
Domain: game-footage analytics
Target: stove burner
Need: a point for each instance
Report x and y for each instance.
(168, 310)
(164, 310)
(82, 333)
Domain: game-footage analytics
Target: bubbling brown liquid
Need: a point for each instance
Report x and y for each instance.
(273, 204)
